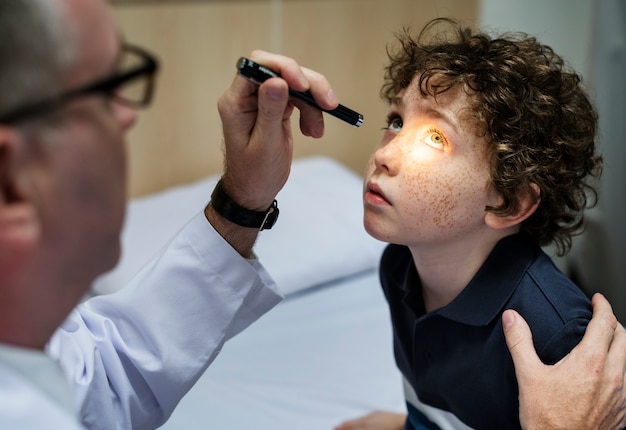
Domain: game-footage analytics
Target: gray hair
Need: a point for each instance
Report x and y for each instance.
(36, 49)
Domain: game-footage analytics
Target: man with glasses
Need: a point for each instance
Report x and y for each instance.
(69, 88)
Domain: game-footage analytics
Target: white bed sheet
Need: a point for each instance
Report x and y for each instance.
(320, 357)
(318, 237)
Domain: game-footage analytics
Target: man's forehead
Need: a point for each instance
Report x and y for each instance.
(87, 17)
(96, 34)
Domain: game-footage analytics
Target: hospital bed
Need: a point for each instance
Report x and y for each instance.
(321, 356)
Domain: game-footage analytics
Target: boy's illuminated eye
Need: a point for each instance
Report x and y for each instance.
(435, 139)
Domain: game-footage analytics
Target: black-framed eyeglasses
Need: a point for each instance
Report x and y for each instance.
(133, 83)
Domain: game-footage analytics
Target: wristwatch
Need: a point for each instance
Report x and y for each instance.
(226, 207)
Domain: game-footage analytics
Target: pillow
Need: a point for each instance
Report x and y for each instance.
(318, 238)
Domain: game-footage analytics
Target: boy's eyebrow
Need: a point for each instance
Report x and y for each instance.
(441, 115)
(425, 106)
(397, 100)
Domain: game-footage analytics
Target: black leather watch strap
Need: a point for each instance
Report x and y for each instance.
(226, 207)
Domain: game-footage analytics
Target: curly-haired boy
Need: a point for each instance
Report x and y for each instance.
(487, 156)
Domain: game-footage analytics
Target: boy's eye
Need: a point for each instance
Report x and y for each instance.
(394, 123)
(435, 139)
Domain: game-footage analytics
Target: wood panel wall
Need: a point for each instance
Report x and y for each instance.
(178, 140)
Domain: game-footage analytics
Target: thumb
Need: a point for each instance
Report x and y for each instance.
(519, 340)
(272, 110)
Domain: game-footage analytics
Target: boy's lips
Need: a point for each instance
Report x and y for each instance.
(374, 195)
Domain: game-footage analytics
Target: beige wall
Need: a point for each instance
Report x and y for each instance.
(178, 139)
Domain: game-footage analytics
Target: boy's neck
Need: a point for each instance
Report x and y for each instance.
(445, 270)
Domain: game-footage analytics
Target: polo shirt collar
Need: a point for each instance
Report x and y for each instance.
(484, 298)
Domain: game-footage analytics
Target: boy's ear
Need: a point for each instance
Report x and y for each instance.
(527, 205)
(19, 224)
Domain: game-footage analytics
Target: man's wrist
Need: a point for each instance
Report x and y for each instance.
(233, 212)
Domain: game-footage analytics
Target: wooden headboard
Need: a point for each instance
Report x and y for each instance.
(179, 140)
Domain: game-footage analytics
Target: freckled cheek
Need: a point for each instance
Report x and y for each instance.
(443, 197)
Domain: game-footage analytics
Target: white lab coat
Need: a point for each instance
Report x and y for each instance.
(132, 355)
(34, 393)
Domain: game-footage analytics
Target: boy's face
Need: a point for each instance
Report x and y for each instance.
(428, 180)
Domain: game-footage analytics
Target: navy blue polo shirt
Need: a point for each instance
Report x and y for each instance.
(455, 357)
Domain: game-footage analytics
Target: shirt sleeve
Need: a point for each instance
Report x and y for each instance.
(132, 355)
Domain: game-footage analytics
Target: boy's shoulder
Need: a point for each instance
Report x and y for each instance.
(554, 307)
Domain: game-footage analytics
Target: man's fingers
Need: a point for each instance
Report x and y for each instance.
(311, 119)
(302, 79)
(273, 98)
(519, 340)
(299, 78)
(286, 67)
(320, 89)
(616, 359)
(601, 328)
(619, 344)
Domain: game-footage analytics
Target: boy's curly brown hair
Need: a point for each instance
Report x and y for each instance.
(537, 120)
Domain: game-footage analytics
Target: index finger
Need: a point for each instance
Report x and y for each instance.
(297, 77)
(601, 328)
(617, 352)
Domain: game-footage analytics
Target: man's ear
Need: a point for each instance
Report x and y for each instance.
(19, 223)
(527, 205)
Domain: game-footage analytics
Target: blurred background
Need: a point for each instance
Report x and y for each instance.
(178, 140)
